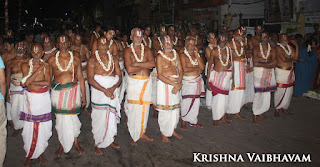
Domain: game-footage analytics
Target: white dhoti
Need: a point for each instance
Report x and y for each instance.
(66, 105)
(264, 83)
(208, 92)
(220, 86)
(86, 84)
(105, 112)
(191, 91)
(16, 102)
(249, 91)
(168, 105)
(154, 77)
(137, 105)
(285, 81)
(236, 94)
(37, 128)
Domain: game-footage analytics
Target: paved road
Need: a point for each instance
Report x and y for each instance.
(287, 134)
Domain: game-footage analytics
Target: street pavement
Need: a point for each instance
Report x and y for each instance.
(287, 134)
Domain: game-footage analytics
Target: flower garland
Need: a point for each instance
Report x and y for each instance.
(50, 51)
(145, 43)
(288, 52)
(235, 47)
(160, 43)
(228, 55)
(96, 34)
(124, 46)
(109, 63)
(175, 42)
(24, 80)
(195, 63)
(174, 55)
(111, 41)
(268, 51)
(210, 47)
(69, 64)
(135, 55)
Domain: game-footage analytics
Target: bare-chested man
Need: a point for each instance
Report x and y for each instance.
(219, 79)
(168, 87)
(36, 114)
(28, 41)
(156, 42)
(95, 35)
(192, 84)
(198, 40)
(180, 43)
(286, 56)
(138, 61)
(236, 94)
(172, 35)
(264, 59)
(15, 91)
(257, 38)
(84, 53)
(104, 75)
(10, 51)
(49, 49)
(67, 87)
(249, 91)
(146, 37)
(212, 40)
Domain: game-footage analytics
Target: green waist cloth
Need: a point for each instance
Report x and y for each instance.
(58, 86)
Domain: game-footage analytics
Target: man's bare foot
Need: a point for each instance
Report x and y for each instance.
(223, 120)
(286, 112)
(262, 117)
(59, 151)
(79, 149)
(276, 113)
(183, 125)
(10, 123)
(255, 120)
(215, 124)
(199, 126)
(42, 160)
(164, 139)
(15, 133)
(229, 118)
(77, 146)
(27, 163)
(250, 103)
(87, 111)
(175, 134)
(115, 145)
(134, 143)
(98, 151)
(144, 136)
(239, 116)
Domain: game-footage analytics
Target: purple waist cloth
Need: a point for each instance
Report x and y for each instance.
(35, 118)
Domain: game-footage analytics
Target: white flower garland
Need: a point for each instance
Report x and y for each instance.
(228, 55)
(135, 55)
(69, 64)
(195, 63)
(210, 47)
(160, 43)
(145, 42)
(288, 52)
(175, 42)
(124, 46)
(50, 51)
(174, 55)
(111, 41)
(268, 51)
(96, 34)
(102, 64)
(24, 80)
(235, 47)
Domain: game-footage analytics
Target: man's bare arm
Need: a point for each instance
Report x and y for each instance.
(149, 64)
(91, 80)
(128, 62)
(3, 82)
(160, 72)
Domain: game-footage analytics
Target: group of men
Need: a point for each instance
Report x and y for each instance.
(164, 72)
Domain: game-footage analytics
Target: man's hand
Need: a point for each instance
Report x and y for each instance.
(8, 97)
(109, 93)
(83, 101)
(177, 86)
(174, 90)
(208, 86)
